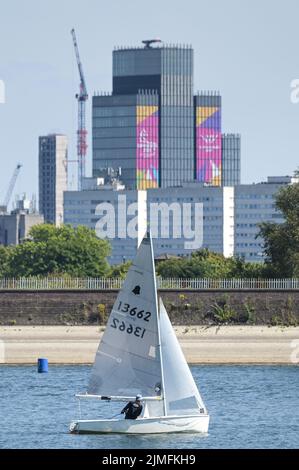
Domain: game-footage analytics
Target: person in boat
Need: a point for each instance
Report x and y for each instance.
(133, 409)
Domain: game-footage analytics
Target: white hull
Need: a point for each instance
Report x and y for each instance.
(164, 424)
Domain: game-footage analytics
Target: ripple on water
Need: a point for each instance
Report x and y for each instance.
(250, 407)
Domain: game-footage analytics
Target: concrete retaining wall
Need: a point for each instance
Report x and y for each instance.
(184, 307)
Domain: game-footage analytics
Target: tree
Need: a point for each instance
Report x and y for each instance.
(64, 250)
(119, 270)
(281, 241)
(207, 264)
(201, 264)
(3, 260)
(243, 269)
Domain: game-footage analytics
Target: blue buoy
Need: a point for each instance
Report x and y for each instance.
(42, 365)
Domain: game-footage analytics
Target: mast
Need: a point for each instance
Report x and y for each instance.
(158, 324)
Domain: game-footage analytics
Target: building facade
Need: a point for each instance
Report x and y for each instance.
(200, 217)
(88, 207)
(208, 145)
(52, 176)
(254, 204)
(152, 127)
(15, 227)
(207, 212)
(231, 160)
(223, 219)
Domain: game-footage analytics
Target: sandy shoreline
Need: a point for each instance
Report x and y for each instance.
(201, 345)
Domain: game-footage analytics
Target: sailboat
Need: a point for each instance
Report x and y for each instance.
(139, 354)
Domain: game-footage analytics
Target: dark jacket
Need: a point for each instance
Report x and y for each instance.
(132, 410)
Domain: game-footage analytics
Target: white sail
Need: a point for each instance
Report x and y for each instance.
(128, 358)
(181, 393)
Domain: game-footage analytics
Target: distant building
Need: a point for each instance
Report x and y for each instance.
(52, 176)
(254, 204)
(14, 227)
(152, 127)
(230, 216)
(217, 219)
(231, 160)
(208, 151)
(82, 208)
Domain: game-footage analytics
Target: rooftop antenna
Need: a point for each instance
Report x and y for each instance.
(148, 42)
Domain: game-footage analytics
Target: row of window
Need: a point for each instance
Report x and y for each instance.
(255, 216)
(255, 196)
(245, 245)
(256, 206)
(258, 256)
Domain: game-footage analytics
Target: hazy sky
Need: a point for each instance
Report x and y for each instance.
(248, 49)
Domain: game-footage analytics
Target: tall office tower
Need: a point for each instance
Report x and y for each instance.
(52, 176)
(208, 152)
(231, 159)
(146, 126)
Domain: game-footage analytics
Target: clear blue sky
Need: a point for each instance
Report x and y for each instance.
(248, 49)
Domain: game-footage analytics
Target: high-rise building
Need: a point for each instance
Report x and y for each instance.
(208, 152)
(231, 160)
(146, 125)
(116, 122)
(152, 127)
(52, 176)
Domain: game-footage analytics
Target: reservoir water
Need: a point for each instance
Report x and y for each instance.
(250, 407)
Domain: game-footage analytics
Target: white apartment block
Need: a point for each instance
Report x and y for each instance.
(223, 219)
(254, 204)
(210, 220)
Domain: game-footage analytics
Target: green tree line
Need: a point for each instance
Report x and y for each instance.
(57, 251)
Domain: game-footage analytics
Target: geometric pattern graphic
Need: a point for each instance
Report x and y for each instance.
(147, 164)
(208, 145)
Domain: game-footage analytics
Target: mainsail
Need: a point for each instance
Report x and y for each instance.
(181, 393)
(128, 358)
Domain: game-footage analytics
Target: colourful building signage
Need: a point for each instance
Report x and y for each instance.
(147, 165)
(208, 145)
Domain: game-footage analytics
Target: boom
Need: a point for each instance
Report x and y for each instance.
(12, 185)
(83, 89)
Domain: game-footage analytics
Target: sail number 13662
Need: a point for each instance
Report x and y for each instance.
(141, 314)
(121, 325)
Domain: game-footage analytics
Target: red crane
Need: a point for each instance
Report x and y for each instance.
(81, 97)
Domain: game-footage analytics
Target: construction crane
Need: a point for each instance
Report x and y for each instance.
(81, 97)
(11, 187)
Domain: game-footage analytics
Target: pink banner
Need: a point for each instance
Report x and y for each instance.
(208, 145)
(147, 165)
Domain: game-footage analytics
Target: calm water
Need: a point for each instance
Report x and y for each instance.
(250, 407)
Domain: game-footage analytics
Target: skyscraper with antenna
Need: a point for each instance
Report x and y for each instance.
(153, 127)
